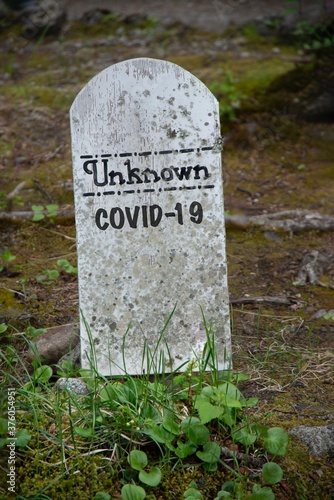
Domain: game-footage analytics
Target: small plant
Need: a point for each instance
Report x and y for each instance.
(192, 492)
(101, 495)
(67, 267)
(228, 95)
(329, 315)
(7, 256)
(48, 276)
(32, 333)
(41, 212)
(39, 378)
(25, 292)
(67, 369)
(314, 36)
(8, 434)
(233, 490)
(133, 492)
(3, 328)
(139, 461)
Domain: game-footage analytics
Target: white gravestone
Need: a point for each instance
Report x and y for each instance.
(149, 215)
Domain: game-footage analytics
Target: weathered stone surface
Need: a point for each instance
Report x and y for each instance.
(55, 343)
(320, 440)
(74, 385)
(149, 214)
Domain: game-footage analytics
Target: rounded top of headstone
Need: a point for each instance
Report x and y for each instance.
(147, 69)
(149, 98)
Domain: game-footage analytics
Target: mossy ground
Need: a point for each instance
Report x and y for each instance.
(272, 161)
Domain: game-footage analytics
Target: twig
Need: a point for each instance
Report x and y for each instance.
(16, 190)
(30, 214)
(60, 234)
(258, 300)
(242, 190)
(13, 291)
(43, 190)
(52, 154)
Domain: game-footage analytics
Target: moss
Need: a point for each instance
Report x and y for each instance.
(190, 62)
(176, 481)
(50, 97)
(79, 476)
(306, 476)
(11, 310)
(255, 79)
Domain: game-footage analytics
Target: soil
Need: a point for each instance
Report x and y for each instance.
(273, 161)
(214, 15)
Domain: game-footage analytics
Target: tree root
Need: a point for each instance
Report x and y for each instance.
(292, 221)
(285, 301)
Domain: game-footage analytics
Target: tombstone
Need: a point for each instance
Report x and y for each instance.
(149, 217)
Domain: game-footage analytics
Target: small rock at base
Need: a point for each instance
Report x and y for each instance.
(320, 440)
(74, 385)
(57, 341)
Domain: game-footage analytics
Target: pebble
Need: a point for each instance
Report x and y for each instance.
(73, 385)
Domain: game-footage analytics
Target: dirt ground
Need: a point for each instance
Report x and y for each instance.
(273, 161)
(213, 15)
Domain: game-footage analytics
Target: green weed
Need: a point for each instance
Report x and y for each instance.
(228, 95)
(314, 36)
(48, 276)
(329, 315)
(41, 212)
(7, 256)
(67, 267)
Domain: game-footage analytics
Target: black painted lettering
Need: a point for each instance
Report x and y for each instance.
(101, 213)
(196, 212)
(167, 174)
(132, 219)
(178, 208)
(112, 176)
(155, 215)
(132, 174)
(146, 174)
(116, 213)
(85, 166)
(144, 211)
(104, 182)
(94, 171)
(198, 169)
(183, 172)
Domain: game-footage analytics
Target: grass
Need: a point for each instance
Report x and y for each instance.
(198, 426)
(179, 422)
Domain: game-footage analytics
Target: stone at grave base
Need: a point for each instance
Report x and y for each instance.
(74, 356)
(55, 343)
(73, 385)
(319, 440)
